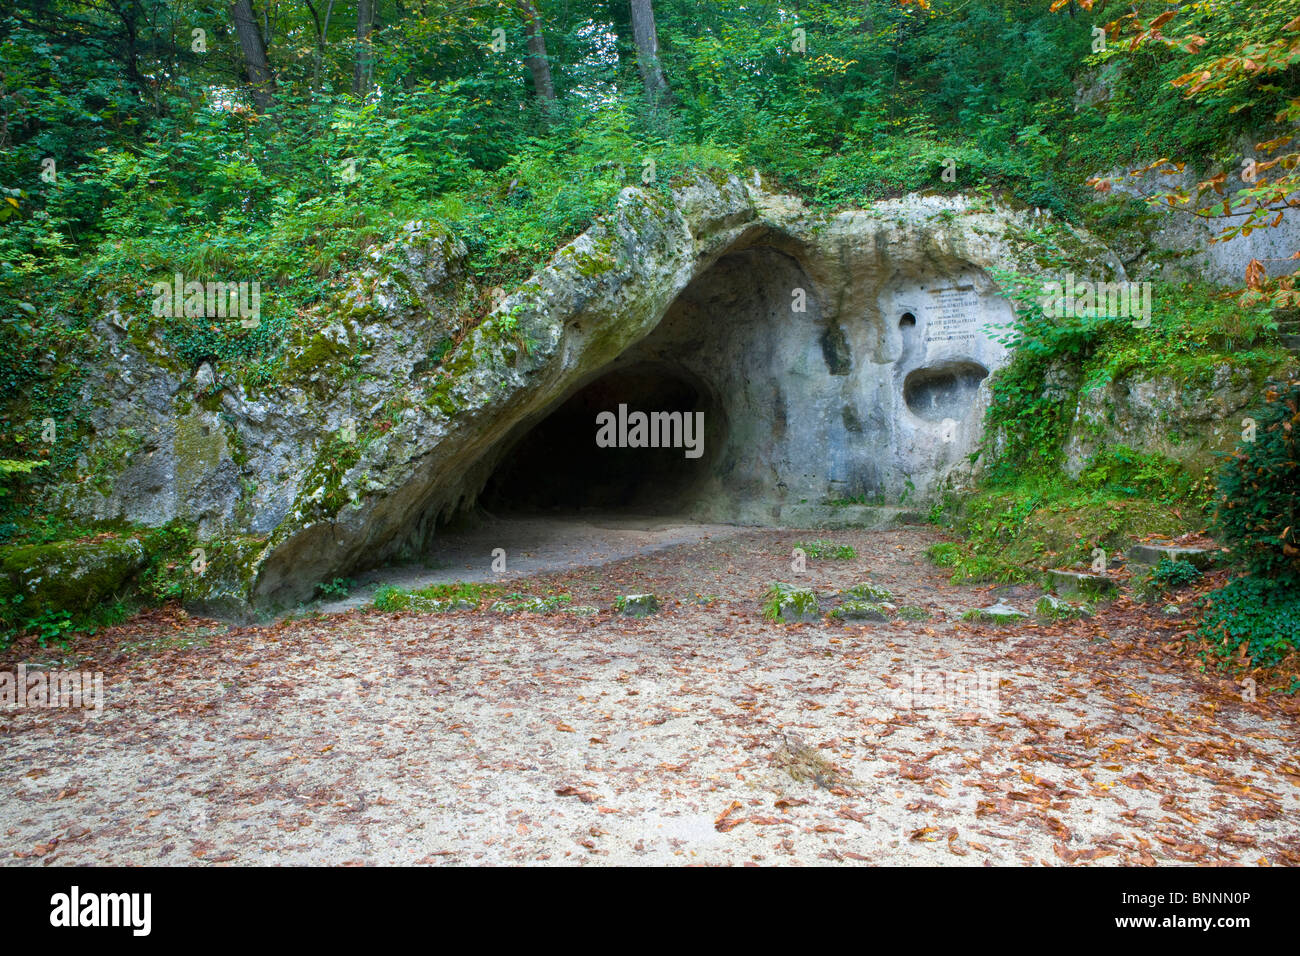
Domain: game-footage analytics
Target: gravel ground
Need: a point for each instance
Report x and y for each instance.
(532, 545)
(704, 734)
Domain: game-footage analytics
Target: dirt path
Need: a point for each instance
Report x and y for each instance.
(701, 735)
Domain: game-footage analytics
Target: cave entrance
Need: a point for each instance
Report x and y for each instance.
(596, 450)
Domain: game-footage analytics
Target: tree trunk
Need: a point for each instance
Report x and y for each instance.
(256, 66)
(538, 65)
(364, 66)
(647, 51)
(322, 39)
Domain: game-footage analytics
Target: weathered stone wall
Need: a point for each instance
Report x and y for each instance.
(1177, 245)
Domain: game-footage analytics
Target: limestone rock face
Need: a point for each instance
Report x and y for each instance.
(1173, 245)
(1185, 421)
(833, 358)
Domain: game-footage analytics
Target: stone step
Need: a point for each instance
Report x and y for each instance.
(1291, 342)
(1152, 552)
(1083, 584)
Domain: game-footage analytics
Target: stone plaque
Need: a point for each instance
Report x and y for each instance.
(953, 316)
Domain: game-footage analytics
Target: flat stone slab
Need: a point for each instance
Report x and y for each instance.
(1201, 558)
(866, 591)
(1081, 584)
(997, 614)
(861, 611)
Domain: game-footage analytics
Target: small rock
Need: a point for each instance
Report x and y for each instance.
(1050, 607)
(515, 603)
(637, 605)
(861, 611)
(997, 614)
(866, 591)
(791, 604)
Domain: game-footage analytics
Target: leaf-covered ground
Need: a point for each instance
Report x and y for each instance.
(703, 735)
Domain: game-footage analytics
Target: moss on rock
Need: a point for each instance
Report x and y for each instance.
(67, 575)
(229, 573)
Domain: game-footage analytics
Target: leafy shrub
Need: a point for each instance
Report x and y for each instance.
(1170, 575)
(339, 587)
(55, 626)
(1259, 487)
(1252, 620)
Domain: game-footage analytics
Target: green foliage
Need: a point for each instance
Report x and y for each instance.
(389, 597)
(945, 554)
(1166, 576)
(1026, 513)
(1050, 608)
(167, 575)
(515, 603)
(827, 549)
(9, 467)
(980, 615)
(1258, 510)
(55, 626)
(1119, 471)
(1193, 333)
(1172, 575)
(866, 591)
(471, 592)
(784, 602)
(1013, 532)
(433, 598)
(1252, 621)
(338, 588)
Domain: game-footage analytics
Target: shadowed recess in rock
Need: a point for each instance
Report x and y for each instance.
(946, 390)
(558, 465)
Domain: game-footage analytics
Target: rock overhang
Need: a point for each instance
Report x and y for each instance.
(847, 355)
